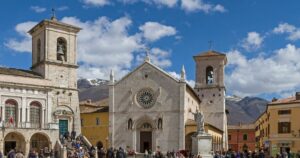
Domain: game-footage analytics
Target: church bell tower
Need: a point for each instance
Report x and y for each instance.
(54, 52)
(210, 88)
(54, 47)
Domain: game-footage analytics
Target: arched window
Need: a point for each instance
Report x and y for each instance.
(245, 137)
(159, 123)
(209, 75)
(38, 55)
(35, 114)
(11, 112)
(61, 50)
(130, 124)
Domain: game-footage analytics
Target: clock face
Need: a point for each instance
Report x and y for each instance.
(146, 98)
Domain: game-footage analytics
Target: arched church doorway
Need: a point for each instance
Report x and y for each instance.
(145, 137)
(65, 117)
(189, 141)
(39, 141)
(14, 141)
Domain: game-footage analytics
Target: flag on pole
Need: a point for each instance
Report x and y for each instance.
(11, 118)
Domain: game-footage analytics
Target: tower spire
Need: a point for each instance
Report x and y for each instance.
(182, 75)
(112, 76)
(210, 45)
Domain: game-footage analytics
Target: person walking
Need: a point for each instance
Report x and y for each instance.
(20, 155)
(11, 154)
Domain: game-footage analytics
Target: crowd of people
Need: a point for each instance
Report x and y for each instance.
(76, 148)
(121, 153)
(43, 153)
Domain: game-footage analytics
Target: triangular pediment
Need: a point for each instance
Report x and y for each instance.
(151, 66)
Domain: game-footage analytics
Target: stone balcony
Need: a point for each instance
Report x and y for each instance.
(28, 125)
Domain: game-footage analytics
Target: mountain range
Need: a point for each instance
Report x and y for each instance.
(241, 110)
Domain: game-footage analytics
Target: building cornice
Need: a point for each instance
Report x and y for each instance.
(61, 63)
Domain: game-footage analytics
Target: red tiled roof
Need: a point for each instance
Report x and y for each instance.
(285, 101)
(209, 53)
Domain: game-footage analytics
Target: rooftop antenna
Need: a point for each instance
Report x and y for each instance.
(210, 44)
(53, 14)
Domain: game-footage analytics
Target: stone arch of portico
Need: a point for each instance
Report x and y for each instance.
(14, 140)
(39, 140)
(189, 141)
(138, 130)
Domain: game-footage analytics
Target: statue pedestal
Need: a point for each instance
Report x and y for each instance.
(202, 145)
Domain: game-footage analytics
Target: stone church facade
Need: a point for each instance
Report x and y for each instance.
(150, 109)
(38, 105)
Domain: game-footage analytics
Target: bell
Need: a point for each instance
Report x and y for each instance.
(60, 50)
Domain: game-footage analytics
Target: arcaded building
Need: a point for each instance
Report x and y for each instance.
(38, 105)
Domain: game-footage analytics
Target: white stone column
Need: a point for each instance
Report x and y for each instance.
(24, 100)
(3, 112)
(134, 140)
(43, 118)
(111, 111)
(20, 117)
(28, 116)
(18, 121)
(49, 107)
(27, 147)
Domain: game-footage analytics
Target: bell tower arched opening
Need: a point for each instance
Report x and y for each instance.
(61, 50)
(209, 75)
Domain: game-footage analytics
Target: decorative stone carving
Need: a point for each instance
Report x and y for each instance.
(146, 98)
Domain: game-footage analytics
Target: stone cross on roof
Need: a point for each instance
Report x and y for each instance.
(147, 58)
(53, 14)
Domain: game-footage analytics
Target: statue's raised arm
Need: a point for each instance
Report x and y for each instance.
(199, 119)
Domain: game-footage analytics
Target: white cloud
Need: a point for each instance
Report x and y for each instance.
(253, 41)
(153, 31)
(103, 44)
(96, 3)
(168, 3)
(24, 44)
(38, 9)
(159, 3)
(276, 74)
(199, 5)
(157, 57)
(285, 28)
(62, 8)
(186, 5)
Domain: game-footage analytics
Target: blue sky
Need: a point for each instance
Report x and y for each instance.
(260, 38)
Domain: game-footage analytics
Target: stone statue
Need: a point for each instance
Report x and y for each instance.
(198, 116)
